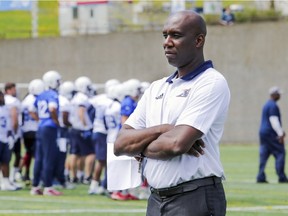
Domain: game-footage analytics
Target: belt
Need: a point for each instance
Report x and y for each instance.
(186, 186)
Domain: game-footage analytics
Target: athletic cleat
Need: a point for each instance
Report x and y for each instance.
(51, 192)
(99, 190)
(132, 197)
(86, 181)
(18, 177)
(74, 180)
(17, 185)
(119, 196)
(36, 191)
(68, 186)
(8, 187)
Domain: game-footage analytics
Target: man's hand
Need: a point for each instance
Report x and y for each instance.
(197, 148)
(281, 139)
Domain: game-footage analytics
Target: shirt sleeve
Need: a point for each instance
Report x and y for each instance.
(275, 123)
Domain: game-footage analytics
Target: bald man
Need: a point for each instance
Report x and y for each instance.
(172, 119)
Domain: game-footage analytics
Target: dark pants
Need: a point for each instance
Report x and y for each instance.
(271, 146)
(45, 156)
(206, 200)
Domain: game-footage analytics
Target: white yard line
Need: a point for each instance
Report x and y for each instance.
(258, 208)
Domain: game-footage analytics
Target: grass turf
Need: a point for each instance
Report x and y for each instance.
(244, 196)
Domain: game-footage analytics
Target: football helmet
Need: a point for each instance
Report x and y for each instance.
(110, 83)
(132, 87)
(144, 86)
(116, 92)
(67, 89)
(36, 87)
(83, 84)
(52, 80)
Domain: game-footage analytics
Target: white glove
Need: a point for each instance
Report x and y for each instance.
(11, 142)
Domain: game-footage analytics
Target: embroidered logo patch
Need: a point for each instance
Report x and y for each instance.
(159, 97)
(185, 93)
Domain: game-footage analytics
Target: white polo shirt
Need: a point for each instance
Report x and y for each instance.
(201, 102)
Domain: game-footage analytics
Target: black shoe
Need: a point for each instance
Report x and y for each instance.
(283, 181)
(262, 181)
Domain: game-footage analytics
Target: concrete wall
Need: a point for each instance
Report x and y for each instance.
(252, 57)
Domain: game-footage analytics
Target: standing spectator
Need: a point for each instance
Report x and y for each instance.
(14, 106)
(227, 17)
(6, 143)
(29, 126)
(46, 109)
(272, 138)
(170, 118)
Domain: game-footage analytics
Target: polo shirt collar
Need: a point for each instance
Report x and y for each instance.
(191, 75)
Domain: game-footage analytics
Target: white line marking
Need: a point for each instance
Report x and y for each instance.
(128, 211)
(258, 208)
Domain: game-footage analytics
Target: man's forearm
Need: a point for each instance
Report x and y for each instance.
(132, 142)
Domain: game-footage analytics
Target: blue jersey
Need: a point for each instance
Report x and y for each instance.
(128, 105)
(42, 103)
(269, 109)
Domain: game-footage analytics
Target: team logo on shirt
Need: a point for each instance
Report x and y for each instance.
(185, 93)
(159, 96)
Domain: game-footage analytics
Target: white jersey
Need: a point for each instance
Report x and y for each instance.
(201, 102)
(5, 123)
(80, 100)
(64, 106)
(28, 123)
(11, 102)
(100, 103)
(113, 120)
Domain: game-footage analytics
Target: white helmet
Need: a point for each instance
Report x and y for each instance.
(116, 92)
(83, 84)
(36, 87)
(67, 89)
(110, 83)
(144, 86)
(52, 80)
(132, 87)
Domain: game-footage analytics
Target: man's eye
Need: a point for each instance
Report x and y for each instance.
(165, 36)
(176, 36)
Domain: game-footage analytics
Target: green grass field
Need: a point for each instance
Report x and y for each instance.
(244, 196)
(17, 24)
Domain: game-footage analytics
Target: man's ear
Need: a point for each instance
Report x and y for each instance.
(200, 40)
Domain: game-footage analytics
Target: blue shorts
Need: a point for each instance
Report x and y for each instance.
(100, 143)
(81, 143)
(5, 153)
